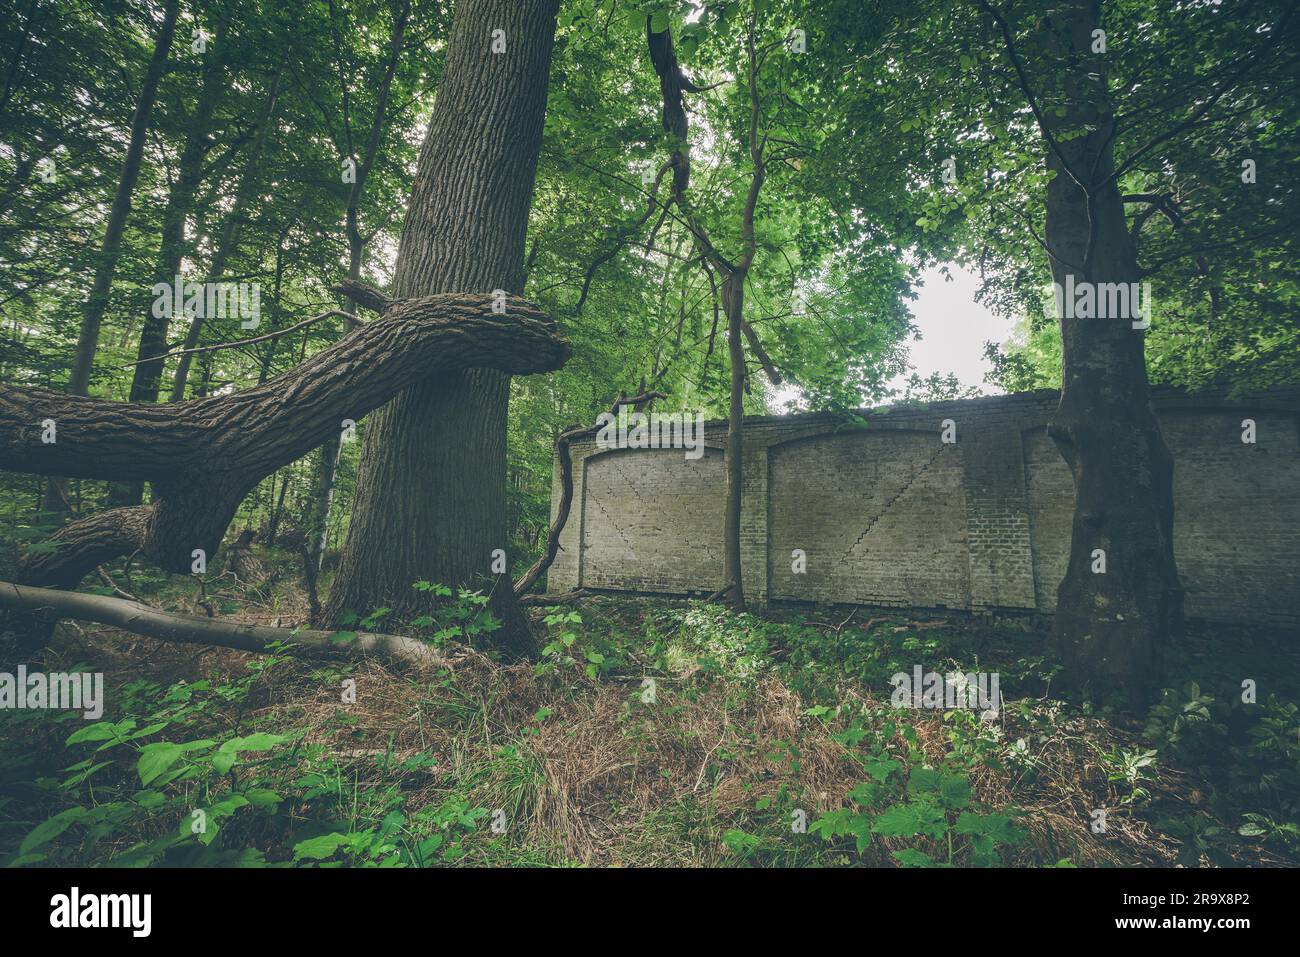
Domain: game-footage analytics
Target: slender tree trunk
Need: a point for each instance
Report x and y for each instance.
(146, 381)
(111, 248)
(672, 83)
(147, 378)
(273, 527)
(733, 300)
(231, 229)
(317, 524)
(431, 502)
(1111, 626)
(56, 497)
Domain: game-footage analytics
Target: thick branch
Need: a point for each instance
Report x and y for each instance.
(764, 359)
(250, 433)
(204, 455)
(152, 622)
(363, 295)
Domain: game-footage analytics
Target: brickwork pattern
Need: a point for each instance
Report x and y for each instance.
(887, 514)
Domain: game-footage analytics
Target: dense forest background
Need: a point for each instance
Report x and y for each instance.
(246, 143)
(732, 204)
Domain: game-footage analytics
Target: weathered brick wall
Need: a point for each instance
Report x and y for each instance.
(890, 515)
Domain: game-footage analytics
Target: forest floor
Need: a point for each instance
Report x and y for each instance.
(757, 740)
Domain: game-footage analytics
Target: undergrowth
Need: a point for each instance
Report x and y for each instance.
(646, 734)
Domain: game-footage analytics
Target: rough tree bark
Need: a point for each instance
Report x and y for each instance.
(431, 499)
(204, 455)
(1111, 627)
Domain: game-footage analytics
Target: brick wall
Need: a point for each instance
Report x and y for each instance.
(888, 514)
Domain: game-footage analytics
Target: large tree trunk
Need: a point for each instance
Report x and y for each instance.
(1111, 626)
(111, 248)
(431, 502)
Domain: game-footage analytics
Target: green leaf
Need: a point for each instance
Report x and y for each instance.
(740, 842)
(228, 806)
(226, 755)
(319, 848)
(155, 759)
(51, 829)
(909, 820)
(880, 770)
(158, 757)
(100, 731)
(262, 797)
(911, 857)
(150, 800)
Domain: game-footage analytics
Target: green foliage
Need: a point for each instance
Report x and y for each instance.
(596, 656)
(930, 806)
(1250, 753)
(464, 618)
(144, 790)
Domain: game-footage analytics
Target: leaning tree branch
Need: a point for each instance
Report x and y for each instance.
(204, 455)
(286, 417)
(764, 359)
(562, 443)
(363, 295)
(170, 626)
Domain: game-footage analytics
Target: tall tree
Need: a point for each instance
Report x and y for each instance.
(146, 378)
(1120, 603)
(233, 224)
(83, 359)
(734, 271)
(147, 375)
(431, 492)
(1111, 625)
(318, 517)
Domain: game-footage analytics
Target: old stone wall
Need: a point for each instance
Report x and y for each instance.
(889, 514)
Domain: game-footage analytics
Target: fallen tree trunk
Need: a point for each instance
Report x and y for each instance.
(169, 626)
